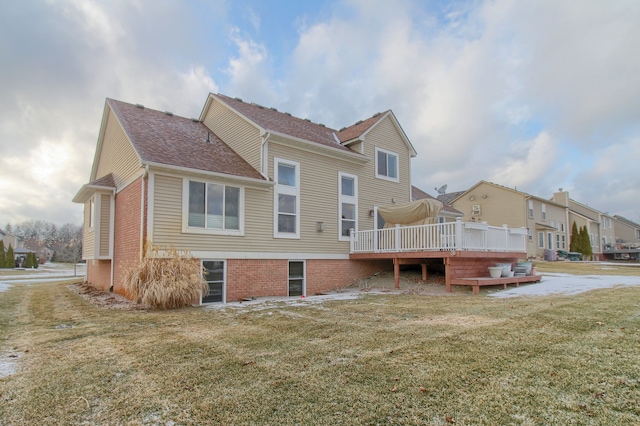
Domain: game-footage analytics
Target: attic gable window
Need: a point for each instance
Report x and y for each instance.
(386, 165)
(213, 208)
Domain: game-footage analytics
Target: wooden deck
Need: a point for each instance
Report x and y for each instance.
(481, 281)
(458, 264)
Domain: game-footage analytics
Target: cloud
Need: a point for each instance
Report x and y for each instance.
(71, 56)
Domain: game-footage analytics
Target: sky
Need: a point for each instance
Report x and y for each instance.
(531, 94)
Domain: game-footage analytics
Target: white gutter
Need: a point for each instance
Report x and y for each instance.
(187, 170)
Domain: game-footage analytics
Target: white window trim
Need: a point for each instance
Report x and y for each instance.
(186, 229)
(530, 208)
(224, 278)
(541, 240)
(286, 190)
(304, 276)
(347, 199)
(379, 176)
(543, 210)
(92, 212)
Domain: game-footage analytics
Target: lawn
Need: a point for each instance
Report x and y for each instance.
(378, 359)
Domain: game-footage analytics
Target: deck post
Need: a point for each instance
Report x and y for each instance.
(447, 275)
(396, 272)
(424, 272)
(459, 233)
(506, 236)
(352, 240)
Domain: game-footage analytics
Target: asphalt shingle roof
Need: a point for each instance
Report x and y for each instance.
(159, 137)
(271, 119)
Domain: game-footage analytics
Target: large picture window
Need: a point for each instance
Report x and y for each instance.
(347, 204)
(287, 199)
(213, 207)
(386, 165)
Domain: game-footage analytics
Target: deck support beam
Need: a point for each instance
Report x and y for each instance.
(396, 272)
(424, 272)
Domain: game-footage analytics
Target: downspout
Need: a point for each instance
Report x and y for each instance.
(142, 210)
(112, 237)
(264, 154)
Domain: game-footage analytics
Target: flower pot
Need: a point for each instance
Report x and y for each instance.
(506, 268)
(526, 265)
(495, 271)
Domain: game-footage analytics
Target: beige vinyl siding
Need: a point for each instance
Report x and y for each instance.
(584, 211)
(105, 224)
(88, 244)
(498, 206)
(117, 155)
(236, 132)
(318, 201)
(381, 192)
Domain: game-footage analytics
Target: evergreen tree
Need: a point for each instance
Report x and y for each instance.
(35, 261)
(10, 261)
(575, 239)
(28, 262)
(587, 251)
(2, 255)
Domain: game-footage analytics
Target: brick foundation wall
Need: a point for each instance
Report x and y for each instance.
(324, 275)
(99, 274)
(126, 232)
(270, 277)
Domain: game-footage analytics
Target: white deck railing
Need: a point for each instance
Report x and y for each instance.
(440, 236)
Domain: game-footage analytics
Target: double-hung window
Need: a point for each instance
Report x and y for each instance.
(347, 204)
(213, 208)
(287, 199)
(386, 165)
(543, 209)
(531, 209)
(541, 239)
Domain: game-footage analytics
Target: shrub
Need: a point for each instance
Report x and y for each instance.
(168, 282)
(28, 262)
(574, 246)
(10, 261)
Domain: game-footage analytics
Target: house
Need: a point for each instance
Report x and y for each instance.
(447, 214)
(10, 240)
(264, 199)
(627, 232)
(497, 205)
(599, 225)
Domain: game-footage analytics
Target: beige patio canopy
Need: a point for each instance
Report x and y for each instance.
(420, 212)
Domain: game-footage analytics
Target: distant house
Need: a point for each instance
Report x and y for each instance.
(447, 214)
(627, 232)
(9, 239)
(266, 200)
(497, 205)
(599, 225)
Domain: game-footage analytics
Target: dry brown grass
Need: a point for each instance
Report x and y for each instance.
(589, 268)
(169, 282)
(380, 359)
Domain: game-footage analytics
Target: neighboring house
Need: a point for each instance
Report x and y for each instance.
(599, 225)
(9, 239)
(627, 232)
(545, 220)
(265, 200)
(447, 214)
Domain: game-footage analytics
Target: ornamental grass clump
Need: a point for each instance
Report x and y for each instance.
(166, 279)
